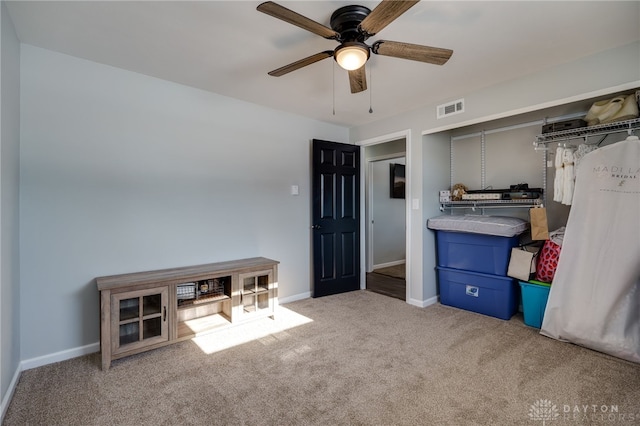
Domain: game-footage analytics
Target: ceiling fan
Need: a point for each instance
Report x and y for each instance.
(351, 26)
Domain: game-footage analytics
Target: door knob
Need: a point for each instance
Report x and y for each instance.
(316, 227)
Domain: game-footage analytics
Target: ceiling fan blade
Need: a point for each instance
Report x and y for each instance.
(358, 80)
(413, 52)
(287, 15)
(301, 63)
(384, 14)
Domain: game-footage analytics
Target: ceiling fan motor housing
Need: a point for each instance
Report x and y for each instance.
(346, 20)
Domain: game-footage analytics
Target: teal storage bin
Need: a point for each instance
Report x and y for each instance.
(534, 301)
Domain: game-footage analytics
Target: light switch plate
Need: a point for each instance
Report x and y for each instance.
(295, 190)
(415, 204)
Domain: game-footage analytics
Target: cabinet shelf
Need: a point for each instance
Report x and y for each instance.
(260, 290)
(125, 321)
(202, 325)
(185, 304)
(129, 313)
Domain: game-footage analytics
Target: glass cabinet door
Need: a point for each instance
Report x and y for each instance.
(256, 293)
(140, 318)
(249, 294)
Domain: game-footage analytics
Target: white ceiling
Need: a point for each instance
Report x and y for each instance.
(227, 47)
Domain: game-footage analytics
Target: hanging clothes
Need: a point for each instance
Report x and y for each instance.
(594, 300)
(558, 182)
(568, 178)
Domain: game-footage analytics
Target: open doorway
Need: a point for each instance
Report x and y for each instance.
(385, 214)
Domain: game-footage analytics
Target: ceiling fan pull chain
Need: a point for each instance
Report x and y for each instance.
(370, 89)
(333, 74)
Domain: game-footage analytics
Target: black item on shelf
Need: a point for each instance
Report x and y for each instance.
(494, 191)
(516, 192)
(563, 125)
(530, 194)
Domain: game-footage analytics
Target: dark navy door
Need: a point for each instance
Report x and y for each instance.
(336, 217)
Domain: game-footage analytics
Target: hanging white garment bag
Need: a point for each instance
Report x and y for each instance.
(594, 300)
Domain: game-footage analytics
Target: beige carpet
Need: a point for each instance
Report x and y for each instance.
(395, 271)
(358, 358)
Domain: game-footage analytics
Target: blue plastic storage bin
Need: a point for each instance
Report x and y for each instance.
(488, 254)
(486, 294)
(534, 302)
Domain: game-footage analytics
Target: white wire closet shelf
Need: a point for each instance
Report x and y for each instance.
(488, 204)
(584, 132)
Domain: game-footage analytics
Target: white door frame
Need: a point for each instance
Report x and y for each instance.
(406, 134)
(369, 198)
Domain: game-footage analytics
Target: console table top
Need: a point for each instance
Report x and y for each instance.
(182, 274)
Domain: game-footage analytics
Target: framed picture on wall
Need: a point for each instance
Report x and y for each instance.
(397, 180)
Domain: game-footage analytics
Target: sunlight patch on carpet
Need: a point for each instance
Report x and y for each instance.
(265, 330)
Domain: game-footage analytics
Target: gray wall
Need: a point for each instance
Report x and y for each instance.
(121, 172)
(510, 158)
(9, 202)
(435, 167)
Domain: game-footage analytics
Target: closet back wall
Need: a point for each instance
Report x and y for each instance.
(510, 159)
(121, 172)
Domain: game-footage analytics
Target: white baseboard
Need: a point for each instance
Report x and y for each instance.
(387, 264)
(10, 391)
(423, 303)
(431, 301)
(289, 299)
(28, 364)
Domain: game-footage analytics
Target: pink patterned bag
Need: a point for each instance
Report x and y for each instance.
(547, 261)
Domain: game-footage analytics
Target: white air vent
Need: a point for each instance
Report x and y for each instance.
(451, 108)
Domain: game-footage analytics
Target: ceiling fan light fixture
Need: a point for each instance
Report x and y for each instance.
(351, 55)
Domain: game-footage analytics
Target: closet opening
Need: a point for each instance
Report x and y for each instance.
(385, 218)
